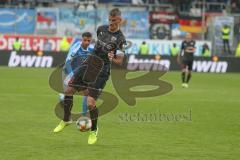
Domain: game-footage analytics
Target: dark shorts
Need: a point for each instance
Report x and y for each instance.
(91, 77)
(187, 64)
(93, 89)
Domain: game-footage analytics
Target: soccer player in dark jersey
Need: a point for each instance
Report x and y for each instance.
(187, 56)
(109, 48)
(95, 71)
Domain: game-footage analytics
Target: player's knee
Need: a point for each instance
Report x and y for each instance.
(69, 91)
(91, 102)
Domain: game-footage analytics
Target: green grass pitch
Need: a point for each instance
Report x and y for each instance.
(27, 120)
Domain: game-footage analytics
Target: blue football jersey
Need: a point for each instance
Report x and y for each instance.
(76, 56)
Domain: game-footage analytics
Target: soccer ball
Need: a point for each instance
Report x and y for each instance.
(84, 124)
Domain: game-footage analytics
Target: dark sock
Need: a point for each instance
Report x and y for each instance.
(68, 103)
(94, 118)
(183, 77)
(188, 77)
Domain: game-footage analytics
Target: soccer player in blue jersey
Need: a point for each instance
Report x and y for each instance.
(78, 52)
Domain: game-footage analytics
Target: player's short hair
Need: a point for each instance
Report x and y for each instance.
(87, 34)
(115, 12)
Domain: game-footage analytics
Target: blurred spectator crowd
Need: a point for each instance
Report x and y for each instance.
(144, 19)
(182, 5)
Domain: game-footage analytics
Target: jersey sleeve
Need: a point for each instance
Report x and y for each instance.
(99, 29)
(182, 49)
(71, 54)
(182, 46)
(73, 49)
(122, 43)
(91, 49)
(194, 44)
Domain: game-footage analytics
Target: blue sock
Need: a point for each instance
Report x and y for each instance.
(84, 106)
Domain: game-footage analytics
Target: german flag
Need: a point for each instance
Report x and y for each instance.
(191, 25)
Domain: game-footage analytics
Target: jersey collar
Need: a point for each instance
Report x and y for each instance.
(83, 48)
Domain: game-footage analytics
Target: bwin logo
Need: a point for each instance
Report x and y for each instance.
(29, 60)
(147, 64)
(210, 66)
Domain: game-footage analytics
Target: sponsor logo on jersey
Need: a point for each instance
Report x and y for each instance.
(113, 39)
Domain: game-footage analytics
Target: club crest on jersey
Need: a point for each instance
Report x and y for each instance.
(113, 38)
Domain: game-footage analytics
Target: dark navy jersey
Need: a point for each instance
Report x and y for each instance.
(104, 38)
(188, 55)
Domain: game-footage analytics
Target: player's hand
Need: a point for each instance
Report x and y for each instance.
(110, 56)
